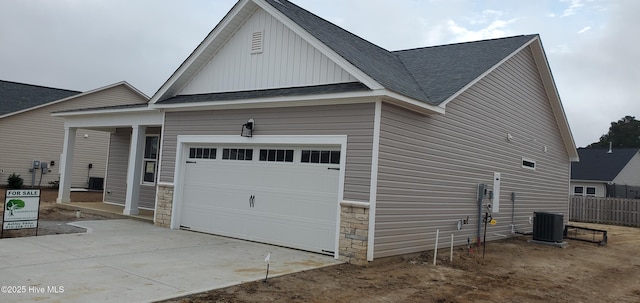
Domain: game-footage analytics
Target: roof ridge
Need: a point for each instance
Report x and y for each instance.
(460, 43)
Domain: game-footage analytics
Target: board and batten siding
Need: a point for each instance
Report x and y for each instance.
(36, 135)
(430, 166)
(116, 180)
(286, 60)
(353, 120)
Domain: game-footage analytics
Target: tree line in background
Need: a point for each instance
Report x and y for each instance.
(623, 133)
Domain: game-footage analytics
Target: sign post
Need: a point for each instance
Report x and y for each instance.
(21, 209)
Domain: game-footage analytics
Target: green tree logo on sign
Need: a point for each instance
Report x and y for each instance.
(13, 205)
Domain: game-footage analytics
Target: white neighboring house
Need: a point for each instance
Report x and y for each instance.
(28, 132)
(604, 172)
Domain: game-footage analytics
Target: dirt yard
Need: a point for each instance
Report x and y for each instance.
(513, 270)
(53, 218)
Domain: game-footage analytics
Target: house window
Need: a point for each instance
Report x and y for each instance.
(591, 191)
(578, 190)
(150, 159)
(320, 156)
(528, 163)
(276, 155)
(202, 153)
(237, 154)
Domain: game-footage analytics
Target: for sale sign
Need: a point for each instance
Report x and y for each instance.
(21, 208)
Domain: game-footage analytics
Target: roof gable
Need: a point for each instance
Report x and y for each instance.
(600, 165)
(444, 70)
(264, 54)
(17, 97)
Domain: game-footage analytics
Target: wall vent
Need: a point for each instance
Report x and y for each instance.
(548, 227)
(256, 42)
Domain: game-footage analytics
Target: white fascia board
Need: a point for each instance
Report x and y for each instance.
(308, 100)
(115, 120)
(553, 95)
(103, 112)
(289, 101)
(200, 49)
(589, 181)
(78, 96)
(410, 103)
(323, 48)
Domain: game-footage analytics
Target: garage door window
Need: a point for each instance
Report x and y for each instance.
(276, 155)
(237, 154)
(320, 156)
(202, 153)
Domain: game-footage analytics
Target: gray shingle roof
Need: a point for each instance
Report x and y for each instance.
(442, 71)
(429, 74)
(265, 93)
(597, 164)
(15, 97)
(378, 63)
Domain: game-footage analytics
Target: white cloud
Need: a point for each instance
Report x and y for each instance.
(496, 29)
(575, 5)
(585, 29)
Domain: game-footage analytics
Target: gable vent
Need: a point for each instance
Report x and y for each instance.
(256, 42)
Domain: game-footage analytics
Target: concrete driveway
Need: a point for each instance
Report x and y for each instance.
(132, 261)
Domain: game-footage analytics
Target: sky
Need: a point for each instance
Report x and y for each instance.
(592, 45)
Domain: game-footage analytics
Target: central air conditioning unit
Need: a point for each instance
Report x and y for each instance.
(548, 227)
(96, 183)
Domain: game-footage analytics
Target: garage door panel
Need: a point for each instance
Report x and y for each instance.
(294, 204)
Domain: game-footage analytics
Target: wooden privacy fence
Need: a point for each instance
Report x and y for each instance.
(616, 211)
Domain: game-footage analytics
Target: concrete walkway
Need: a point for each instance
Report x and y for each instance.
(132, 261)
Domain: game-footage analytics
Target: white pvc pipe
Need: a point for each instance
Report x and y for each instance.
(435, 251)
(451, 254)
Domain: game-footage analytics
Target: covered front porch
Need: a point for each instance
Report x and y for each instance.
(132, 165)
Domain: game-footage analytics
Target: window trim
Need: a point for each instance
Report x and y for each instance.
(147, 160)
(586, 191)
(581, 193)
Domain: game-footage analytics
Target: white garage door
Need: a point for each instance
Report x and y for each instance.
(279, 195)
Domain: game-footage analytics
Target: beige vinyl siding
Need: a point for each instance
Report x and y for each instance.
(353, 120)
(430, 167)
(285, 61)
(89, 149)
(116, 180)
(36, 135)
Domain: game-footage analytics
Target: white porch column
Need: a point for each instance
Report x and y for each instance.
(64, 189)
(134, 170)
